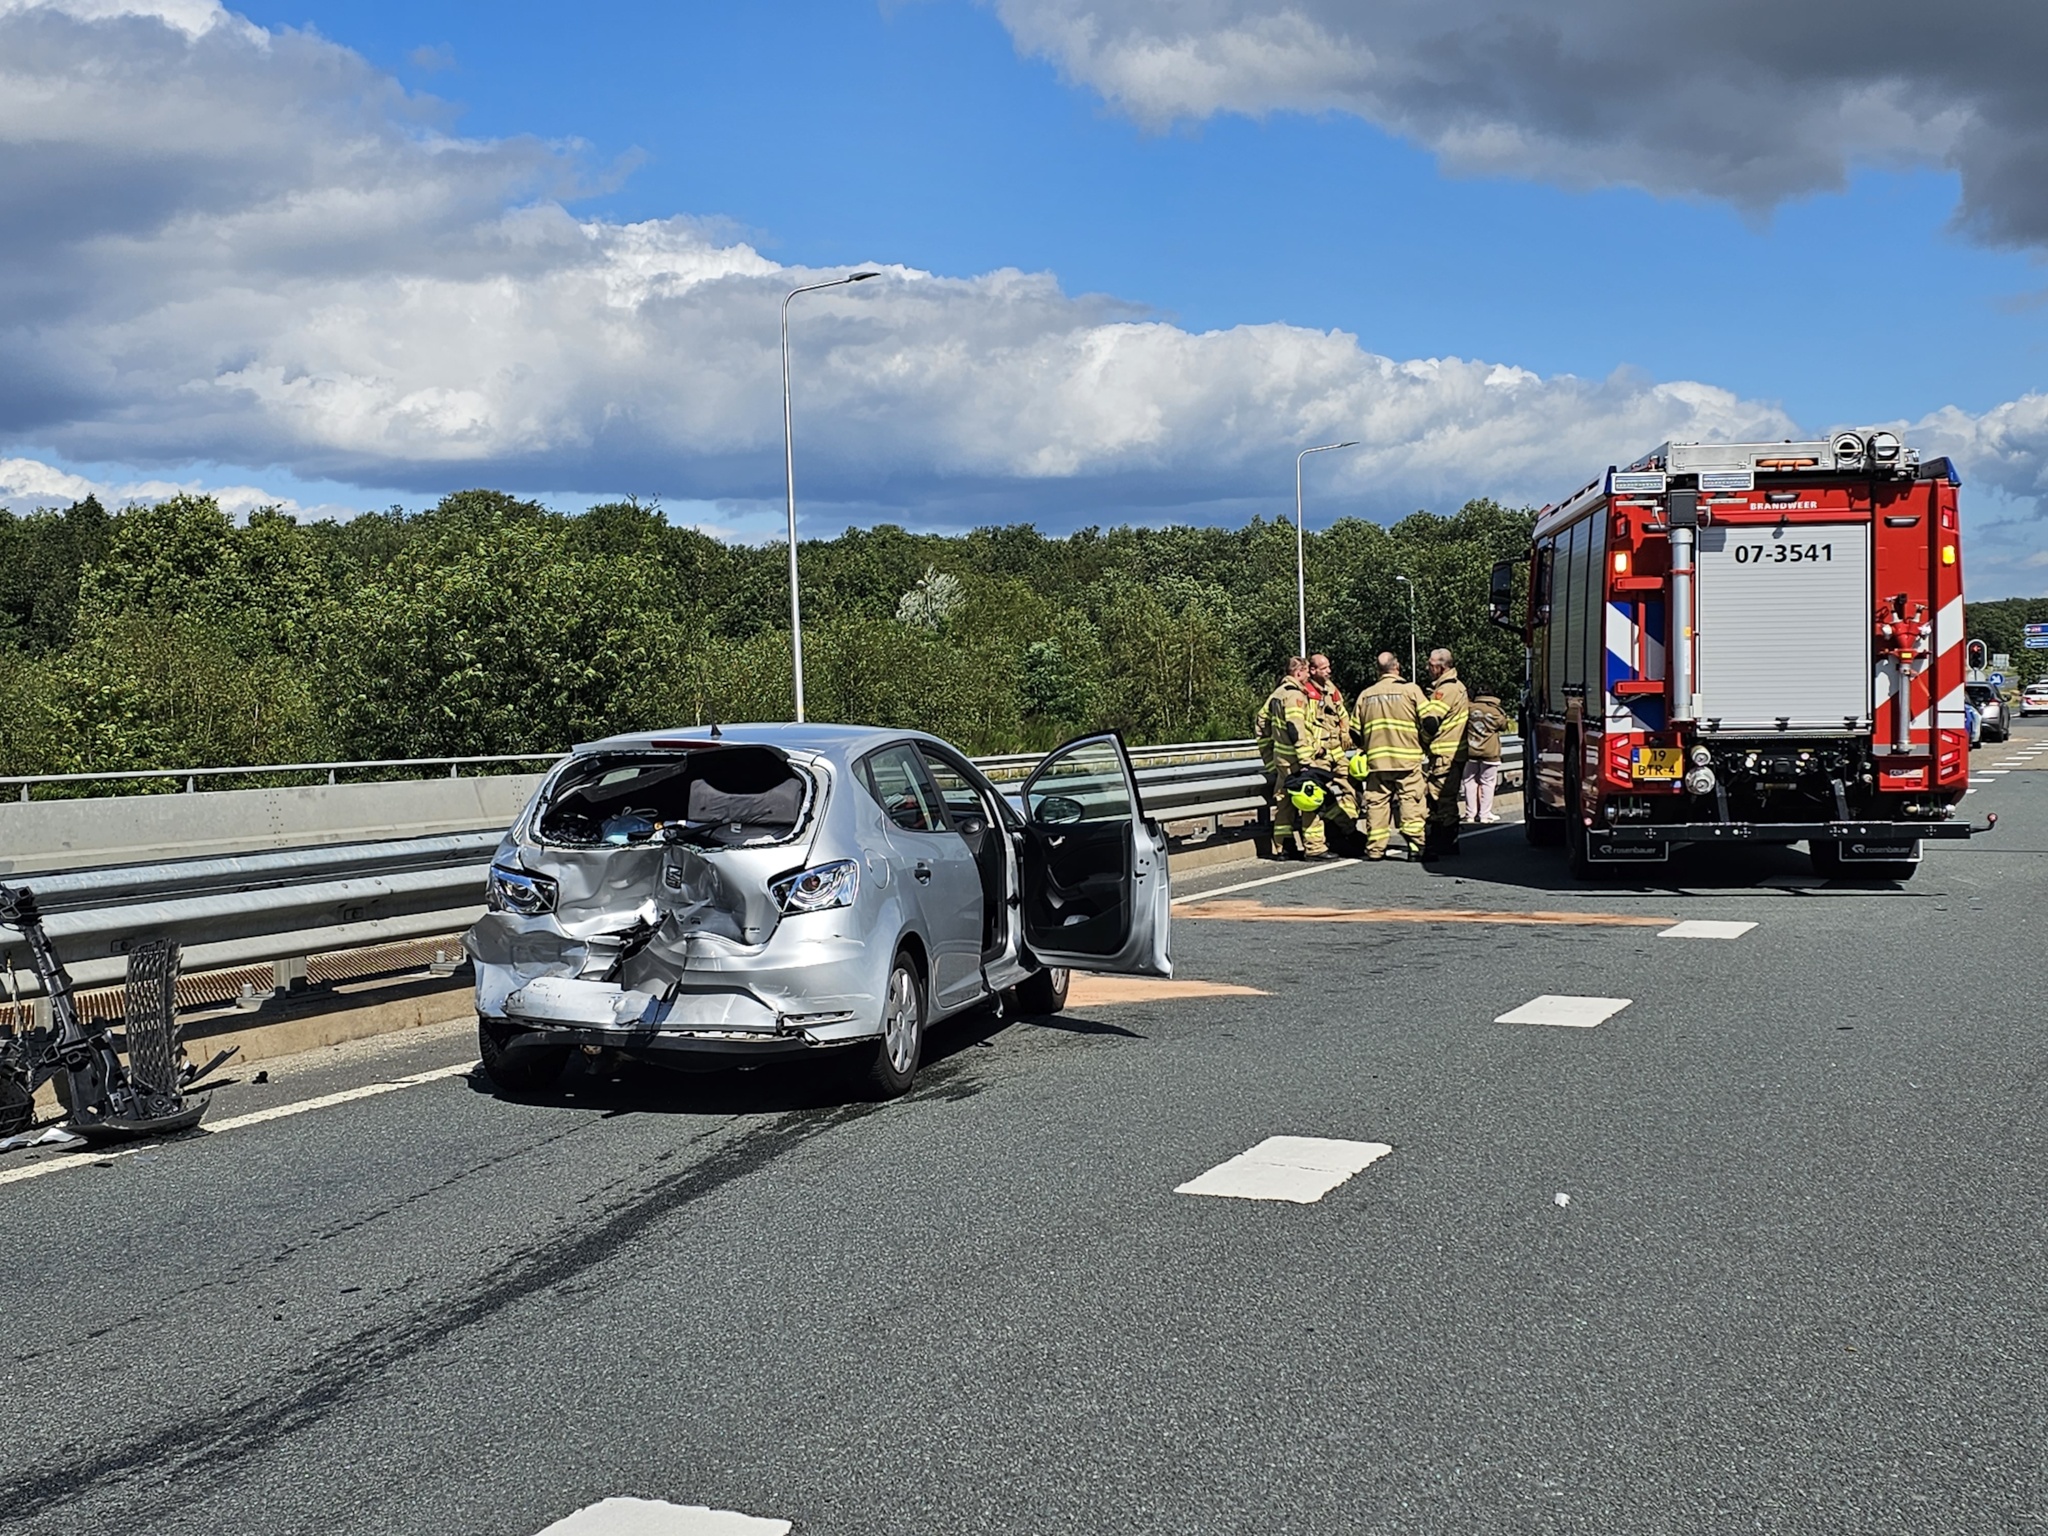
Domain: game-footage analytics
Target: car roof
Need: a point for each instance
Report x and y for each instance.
(822, 739)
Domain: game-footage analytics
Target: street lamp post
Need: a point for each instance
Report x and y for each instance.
(1411, 624)
(796, 620)
(1300, 568)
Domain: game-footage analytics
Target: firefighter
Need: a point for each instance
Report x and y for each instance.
(1333, 722)
(1283, 728)
(1390, 757)
(1482, 767)
(1445, 717)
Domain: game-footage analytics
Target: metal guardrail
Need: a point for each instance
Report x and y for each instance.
(283, 906)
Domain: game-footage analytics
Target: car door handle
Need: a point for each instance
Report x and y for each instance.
(923, 872)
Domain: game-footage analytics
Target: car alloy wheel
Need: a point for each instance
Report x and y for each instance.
(900, 1025)
(893, 1062)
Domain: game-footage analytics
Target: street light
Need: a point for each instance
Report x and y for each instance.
(796, 620)
(1411, 624)
(1300, 570)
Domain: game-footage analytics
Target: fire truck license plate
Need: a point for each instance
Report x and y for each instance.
(1659, 763)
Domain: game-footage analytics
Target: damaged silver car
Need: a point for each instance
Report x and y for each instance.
(722, 897)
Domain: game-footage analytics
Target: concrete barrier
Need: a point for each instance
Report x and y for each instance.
(148, 829)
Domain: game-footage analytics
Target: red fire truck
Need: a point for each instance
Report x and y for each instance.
(1747, 643)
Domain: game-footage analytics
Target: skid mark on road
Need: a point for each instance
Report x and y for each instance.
(151, 1469)
(1298, 1169)
(1253, 912)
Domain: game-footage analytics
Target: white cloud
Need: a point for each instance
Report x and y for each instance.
(249, 247)
(27, 485)
(1745, 100)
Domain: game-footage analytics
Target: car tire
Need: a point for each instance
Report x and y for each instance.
(514, 1067)
(1043, 993)
(892, 1066)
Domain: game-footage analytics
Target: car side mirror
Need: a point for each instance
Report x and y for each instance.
(1057, 810)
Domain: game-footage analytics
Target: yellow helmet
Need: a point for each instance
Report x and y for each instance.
(1309, 797)
(1358, 767)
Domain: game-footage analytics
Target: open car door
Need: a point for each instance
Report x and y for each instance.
(1093, 868)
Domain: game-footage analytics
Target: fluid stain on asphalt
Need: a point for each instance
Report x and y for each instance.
(348, 1370)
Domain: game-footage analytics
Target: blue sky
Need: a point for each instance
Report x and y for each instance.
(959, 140)
(832, 133)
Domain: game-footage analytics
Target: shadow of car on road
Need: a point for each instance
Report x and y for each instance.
(612, 1084)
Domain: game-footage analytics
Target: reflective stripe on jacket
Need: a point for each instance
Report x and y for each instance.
(1448, 709)
(1388, 725)
(1284, 726)
(1333, 718)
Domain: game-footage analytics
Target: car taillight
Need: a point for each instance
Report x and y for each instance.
(1952, 755)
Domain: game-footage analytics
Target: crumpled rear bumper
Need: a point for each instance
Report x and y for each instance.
(796, 992)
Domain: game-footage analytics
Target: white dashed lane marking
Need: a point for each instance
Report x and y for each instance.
(236, 1122)
(1565, 1012)
(1705, 928)
(1321, 867)
(653, 1517)
(1300, 1169)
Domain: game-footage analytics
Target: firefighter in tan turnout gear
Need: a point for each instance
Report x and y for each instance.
(1285, 726)
(1334, 725)
(1390, 758)
(1444, 717)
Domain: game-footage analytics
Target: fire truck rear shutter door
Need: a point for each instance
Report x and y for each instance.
(1784, 625)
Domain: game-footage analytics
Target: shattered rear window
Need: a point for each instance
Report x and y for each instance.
(722, 797)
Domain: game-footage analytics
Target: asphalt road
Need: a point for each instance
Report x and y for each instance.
(1797, 1283)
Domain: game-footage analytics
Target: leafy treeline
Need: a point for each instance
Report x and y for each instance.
(2000, 626)
(168, 636)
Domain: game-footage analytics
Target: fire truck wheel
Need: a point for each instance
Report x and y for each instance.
(1826, 855)
(1577, 849)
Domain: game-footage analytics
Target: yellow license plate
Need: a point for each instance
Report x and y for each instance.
(1659, 763)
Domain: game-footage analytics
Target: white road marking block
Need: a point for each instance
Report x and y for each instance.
(653, 1517)
(1565, 1012)
(1301, 1169)
(1704, 928)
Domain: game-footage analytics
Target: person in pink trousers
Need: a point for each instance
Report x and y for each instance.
(1482, 766)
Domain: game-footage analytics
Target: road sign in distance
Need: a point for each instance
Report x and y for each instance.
(1997, 679)
(2037, 642)
(2037, 629)
(2002, 660)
